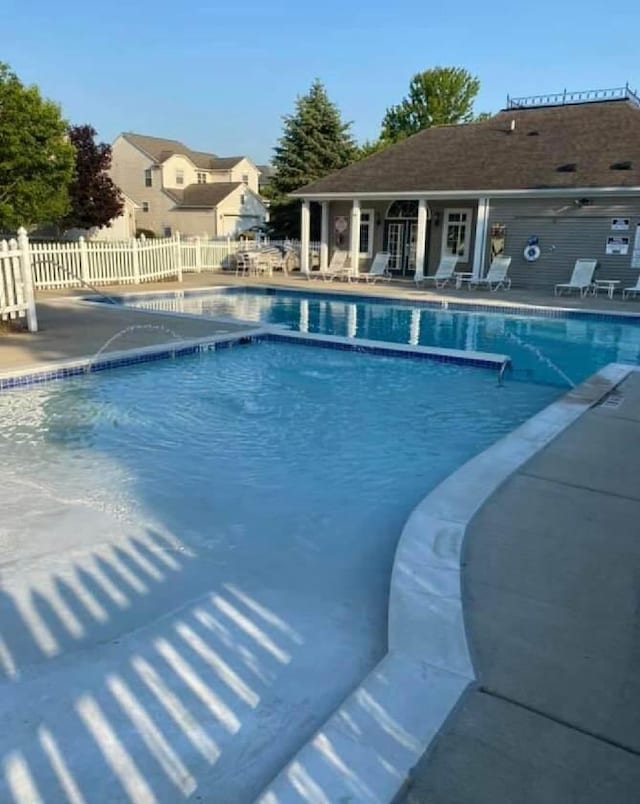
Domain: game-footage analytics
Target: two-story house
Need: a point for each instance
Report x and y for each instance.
(177, 189)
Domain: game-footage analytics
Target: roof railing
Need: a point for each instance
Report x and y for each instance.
(583, 96)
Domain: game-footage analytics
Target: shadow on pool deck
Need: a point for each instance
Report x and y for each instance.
(552, 602)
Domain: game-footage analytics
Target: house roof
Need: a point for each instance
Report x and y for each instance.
(160, 149)
(204, 196)
(573, 146)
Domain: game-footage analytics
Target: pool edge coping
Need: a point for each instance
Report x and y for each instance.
(33, 374)
(402, 704)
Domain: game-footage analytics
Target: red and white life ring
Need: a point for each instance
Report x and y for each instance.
(532, 253)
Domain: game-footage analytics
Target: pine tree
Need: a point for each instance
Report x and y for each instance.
(314, 142)
(95, 199)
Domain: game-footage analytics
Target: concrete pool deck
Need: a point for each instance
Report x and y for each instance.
(550, 591)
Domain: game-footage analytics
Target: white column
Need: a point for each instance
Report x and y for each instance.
(305, 235)
(421, 240)
(480, 245)
(355, 238)
(324, 237)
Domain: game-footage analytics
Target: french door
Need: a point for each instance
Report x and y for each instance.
(400, 242)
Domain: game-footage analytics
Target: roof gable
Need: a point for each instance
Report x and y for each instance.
(517, 149)
(203, 196)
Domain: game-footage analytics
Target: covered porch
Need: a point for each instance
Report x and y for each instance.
(415, 232)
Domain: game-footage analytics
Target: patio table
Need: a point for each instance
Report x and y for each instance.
(461, 278)
(609, 285)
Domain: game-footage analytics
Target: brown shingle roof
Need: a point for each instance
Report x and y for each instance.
(205, 196)
(488, 156)
(160, 150)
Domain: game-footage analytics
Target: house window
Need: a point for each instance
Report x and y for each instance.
(243, 198)
(145, 206)
(166, 231)
(179, 176)
(245, 178)
(456, 233)
(367, 221)
(201, 178)
(148, 178)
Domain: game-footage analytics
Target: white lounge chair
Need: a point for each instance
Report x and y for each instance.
(337, 268)
(379, 268)
(496, 277)
(632, 291)
(581, 278)
(445, 272)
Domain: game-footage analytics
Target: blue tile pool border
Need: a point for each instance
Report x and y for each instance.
(445, 305)
(21, 378)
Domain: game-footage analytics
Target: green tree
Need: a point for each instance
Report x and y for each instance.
(314, 142)
(370, 147)
(36, 158)
(436, 97)
(95, 199)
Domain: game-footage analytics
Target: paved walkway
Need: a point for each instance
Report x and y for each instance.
(71, 330)
(551, 581)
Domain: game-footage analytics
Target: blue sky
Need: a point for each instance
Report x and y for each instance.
(219, 76)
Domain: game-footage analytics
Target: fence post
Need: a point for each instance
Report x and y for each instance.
(27, 279)
(198, 255)
(178, 257)
(84, 259)
(135, 261)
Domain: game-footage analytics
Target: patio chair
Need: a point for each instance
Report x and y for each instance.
(337, 268)
(445, 272)
(379, 269)
(632, 291)
(581, 278)
(496, 277)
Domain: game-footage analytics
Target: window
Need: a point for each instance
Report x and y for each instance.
(456, 234)
(166, 231)
(243, 198)
(148, 178)
(201, 178)
(367, 221)
(145, 206)
(179, 176)
(245, 178)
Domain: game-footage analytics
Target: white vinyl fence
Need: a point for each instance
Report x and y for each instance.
(16, 285)
(103, 262)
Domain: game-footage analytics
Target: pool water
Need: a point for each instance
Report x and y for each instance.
(197, 554)
(557, 351)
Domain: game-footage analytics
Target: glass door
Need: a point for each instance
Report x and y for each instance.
(395, 246)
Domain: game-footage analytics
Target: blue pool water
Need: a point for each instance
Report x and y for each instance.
(576, 347)
(202, 548)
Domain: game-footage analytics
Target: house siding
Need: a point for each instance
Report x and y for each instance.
(380, 208)
(566, 233)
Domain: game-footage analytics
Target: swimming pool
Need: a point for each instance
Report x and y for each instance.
(197, 553)
(554, 350)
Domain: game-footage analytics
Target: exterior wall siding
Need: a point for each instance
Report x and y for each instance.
(566, 233)
(234, 216)
(380, 208)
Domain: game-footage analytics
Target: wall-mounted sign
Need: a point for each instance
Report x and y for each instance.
(341, 224)
(635, 257)
(620, 224)
(617, 245)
